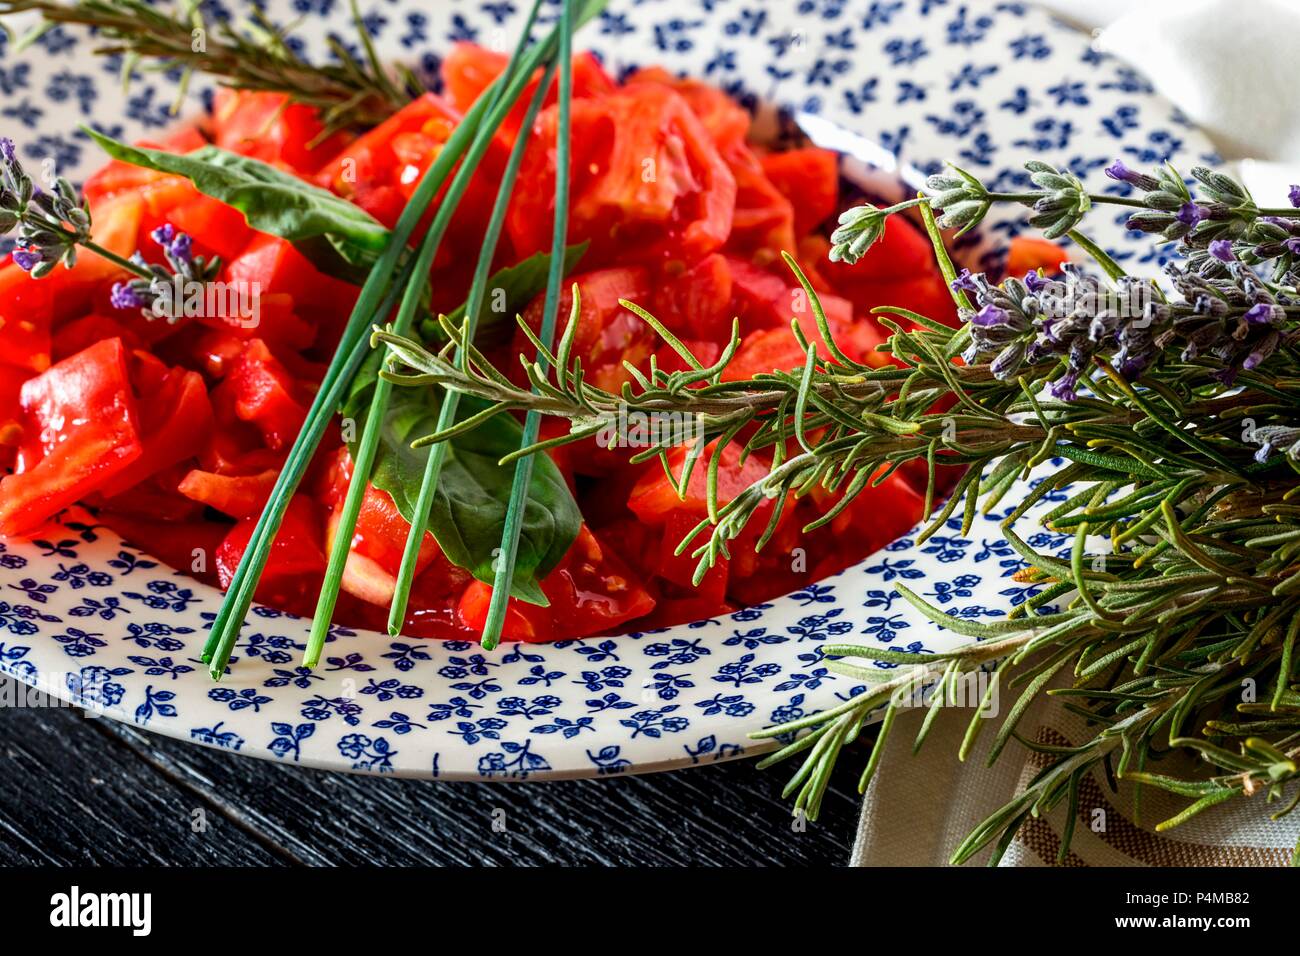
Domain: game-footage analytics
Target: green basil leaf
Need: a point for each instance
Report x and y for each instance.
(469, 508)
(335, 235)
(509, 290)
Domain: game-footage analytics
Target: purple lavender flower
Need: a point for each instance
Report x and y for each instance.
(1262, 350)
(1221, 249)
(181, 247)
(163, 234)
(7, 149)
(1294, 196)
(1293, 244)
(125, 297)
(1066, 388)
(1261, 313)
(1035, 282)
(1121, 173)
(964, 282)
(1189, 214)
(991, 316)
(27, 259)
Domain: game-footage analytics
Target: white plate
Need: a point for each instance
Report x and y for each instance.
(985, 84)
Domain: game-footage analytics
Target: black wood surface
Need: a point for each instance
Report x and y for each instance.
(75, 790)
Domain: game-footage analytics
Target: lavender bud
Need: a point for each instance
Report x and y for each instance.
(1148, 222)
(1121, 173)
(1262, 350)
(1035, 282)
(27, 259)
(991, 317)
(1293, 195)
(1264, 313)
(1066, 388)
(1190, 213)
(125, 297)
(181, 247)
(1008, 361)
(964, 282)
(1221, 249)
(164, 234)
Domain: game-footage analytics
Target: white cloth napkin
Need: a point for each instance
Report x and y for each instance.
(1230, 65)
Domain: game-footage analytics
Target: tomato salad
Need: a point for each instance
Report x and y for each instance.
(173, 431)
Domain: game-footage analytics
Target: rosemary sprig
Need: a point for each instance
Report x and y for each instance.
(1176, 414)
(249, 55)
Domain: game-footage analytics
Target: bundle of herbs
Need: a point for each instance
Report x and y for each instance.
(1171, 408)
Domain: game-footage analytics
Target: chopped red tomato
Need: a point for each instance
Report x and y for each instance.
(86, 331)
(654, 499)
(763, 225)
(266, 395)
(468, 70)
(725, 119)
(80, 430)
(216, 229)
(696, 303)
(296, 563)
(608, 334)
(26, 305)
(811, 179)
(239, 496)
(274, 266)
(175, 421)
(272, 128)
(648, 184)
(591, 592)
(378, 542)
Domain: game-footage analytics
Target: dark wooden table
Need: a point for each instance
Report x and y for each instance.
(85, 791)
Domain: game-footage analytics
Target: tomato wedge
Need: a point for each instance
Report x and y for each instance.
(648, 184)
(591, 592)
(80, 430)
(469, 69)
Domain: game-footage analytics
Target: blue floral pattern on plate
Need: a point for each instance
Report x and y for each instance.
(94, 621)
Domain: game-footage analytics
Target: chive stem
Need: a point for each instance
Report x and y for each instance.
(239, 595)
(505, 565)
(451, 399)
(500, 98)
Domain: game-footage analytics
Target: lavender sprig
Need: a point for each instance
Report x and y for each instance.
(145, 293)
(52, 226)
(1059, 199)
(1233, 320)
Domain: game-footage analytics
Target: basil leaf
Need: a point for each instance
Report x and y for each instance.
(469, 507)
(335, 235)
(509, 290)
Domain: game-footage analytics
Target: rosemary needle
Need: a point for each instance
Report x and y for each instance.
(505, 566)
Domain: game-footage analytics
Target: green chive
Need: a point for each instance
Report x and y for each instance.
(502, 99)
(450, 399)
(239, 596)
(505, 568)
